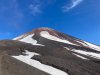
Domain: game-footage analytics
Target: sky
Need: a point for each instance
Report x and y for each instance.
(79, 18)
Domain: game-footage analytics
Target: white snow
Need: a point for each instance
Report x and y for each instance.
(83, 43)
(67, 48)
(91, 54)
(93, 46)
(18, 37)
(48, 69)
(29, 39)
(90, 45)
(80, 56)
(46, 34)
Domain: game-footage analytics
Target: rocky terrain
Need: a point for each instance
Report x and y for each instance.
(53, 53)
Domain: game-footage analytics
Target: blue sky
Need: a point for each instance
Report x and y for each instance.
(79, 18)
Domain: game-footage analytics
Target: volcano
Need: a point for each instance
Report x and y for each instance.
(53, 53)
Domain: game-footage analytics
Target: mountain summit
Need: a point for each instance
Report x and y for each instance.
(54, 53)
(53, 35)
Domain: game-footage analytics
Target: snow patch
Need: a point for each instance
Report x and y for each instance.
(46, 34)
(29, 39)
(67, 48)
(80, 56)
(91, 54)
(48, 69)
(18, 37)
(84, 44)
(93, 46)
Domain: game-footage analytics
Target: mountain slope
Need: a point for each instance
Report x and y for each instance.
(54, 52)
(51, 34)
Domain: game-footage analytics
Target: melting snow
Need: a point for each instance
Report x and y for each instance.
(93, 46)
(91, 54)
(18, 37)
(83, 43)
(79, 56)
(45, 34)
(75, 54)
(29, 39)
(49, 69)
(67, 48)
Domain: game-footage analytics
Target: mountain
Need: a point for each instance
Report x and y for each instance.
(53, 35)
(54, 53)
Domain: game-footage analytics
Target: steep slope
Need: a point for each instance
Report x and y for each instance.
(51, 34)
(54, 52)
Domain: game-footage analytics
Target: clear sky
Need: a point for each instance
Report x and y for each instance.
(79, 18)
